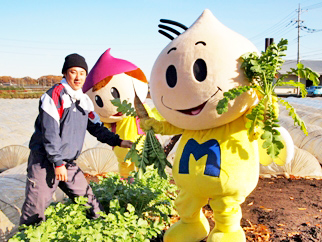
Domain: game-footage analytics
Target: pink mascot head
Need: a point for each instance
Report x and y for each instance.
(112, 78)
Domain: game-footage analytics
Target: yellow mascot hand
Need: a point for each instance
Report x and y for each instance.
(151, 123)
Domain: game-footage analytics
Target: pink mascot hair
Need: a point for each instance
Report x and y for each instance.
(107, 66)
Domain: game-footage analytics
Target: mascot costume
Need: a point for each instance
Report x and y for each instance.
(113, 78)
(216, 162)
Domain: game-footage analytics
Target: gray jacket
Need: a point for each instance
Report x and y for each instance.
(61, 126)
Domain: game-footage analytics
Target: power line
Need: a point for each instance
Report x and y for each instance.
(302, 27)
(75, 43)
(308, 54)
(309, 30)
(284, 27)
(47, 42)
(284, 31)
(19, 53)
(282, 23)
(39, 48)
(314, 6)
(281, 33)
(128, 52)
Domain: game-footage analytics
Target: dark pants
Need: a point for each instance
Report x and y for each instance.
(42, 183)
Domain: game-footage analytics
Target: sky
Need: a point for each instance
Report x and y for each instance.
(37, 35)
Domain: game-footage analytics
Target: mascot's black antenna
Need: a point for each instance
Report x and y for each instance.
(167, 21)
(162, 26)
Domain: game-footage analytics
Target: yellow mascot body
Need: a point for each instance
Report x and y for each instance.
(112, 78)
(220, 165)
(215, 161)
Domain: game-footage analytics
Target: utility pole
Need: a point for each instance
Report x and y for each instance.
(300, 26)
(298, 43)
(298, 33)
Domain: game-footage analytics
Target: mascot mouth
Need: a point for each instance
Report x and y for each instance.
(114, 115)
(117, 114)
(195, 110)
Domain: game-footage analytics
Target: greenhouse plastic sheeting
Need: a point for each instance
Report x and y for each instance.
(5, 227)
(97, 160)
(303, 164)
(314, 146)
(12, 156)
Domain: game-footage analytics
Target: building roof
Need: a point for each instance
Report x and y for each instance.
(315, 65)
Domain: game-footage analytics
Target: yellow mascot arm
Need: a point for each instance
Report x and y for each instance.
(160, 127)
(286, 154)
(155, 114)
(158, 123)
(148, 109)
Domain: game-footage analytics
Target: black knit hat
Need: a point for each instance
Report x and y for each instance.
(74, 60)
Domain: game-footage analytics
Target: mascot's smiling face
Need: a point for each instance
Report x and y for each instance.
(192, 73)
(119, 86)
(113, 78)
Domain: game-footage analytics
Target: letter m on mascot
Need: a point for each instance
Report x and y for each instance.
(210, 148)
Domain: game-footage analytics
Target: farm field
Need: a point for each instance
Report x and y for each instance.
(281, 208)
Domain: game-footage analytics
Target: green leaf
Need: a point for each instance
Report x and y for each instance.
(124, 107)
(222, 105)
(300, 66)
(248, 125)
(266, 135)
(295, 84)
(293, 114)
(267, 144)
(116, 102)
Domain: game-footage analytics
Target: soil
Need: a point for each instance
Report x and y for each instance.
(282, 209)
(279, 210)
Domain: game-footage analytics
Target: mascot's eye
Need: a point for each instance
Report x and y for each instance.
(115, 93)
(99, 101)
(200, 70)
(171, 76)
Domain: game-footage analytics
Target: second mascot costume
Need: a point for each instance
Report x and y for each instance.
(215, 161)
(112, 78)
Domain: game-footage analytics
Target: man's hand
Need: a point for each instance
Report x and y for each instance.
(126, 144)
(61, 173)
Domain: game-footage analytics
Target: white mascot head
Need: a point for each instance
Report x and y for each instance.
(191, 74)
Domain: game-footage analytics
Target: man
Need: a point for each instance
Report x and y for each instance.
(57, 142)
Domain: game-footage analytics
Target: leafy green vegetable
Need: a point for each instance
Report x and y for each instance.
(151, 196)
(261, 72)
(151, 153)
(135, 210)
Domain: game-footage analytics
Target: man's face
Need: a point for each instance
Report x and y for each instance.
(75, 77)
